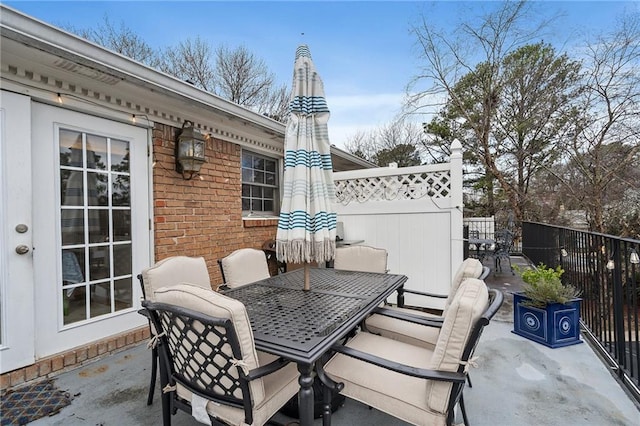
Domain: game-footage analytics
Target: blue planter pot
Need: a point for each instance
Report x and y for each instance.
(555, 326)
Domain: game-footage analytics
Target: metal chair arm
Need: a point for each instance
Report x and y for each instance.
(267, 369)
(423, 373)
(407, 316)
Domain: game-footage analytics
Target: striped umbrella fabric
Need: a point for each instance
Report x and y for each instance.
(307, 224)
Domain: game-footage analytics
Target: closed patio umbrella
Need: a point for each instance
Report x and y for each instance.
(307, 224)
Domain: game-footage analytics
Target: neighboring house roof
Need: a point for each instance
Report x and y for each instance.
(43, 61)
(344, 161)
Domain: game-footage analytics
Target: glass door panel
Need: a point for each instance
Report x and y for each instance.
(95, 225)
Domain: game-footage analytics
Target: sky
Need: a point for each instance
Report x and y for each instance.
(364, 51)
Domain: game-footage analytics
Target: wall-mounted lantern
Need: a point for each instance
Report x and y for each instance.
(190, 149)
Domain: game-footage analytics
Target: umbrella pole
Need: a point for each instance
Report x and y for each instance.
(307, 286)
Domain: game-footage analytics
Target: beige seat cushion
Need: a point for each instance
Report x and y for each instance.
(268, 393)
(245, 266)
(416, 334)
(468, 305)
(361, 258)
(411, 399)
(174, 270)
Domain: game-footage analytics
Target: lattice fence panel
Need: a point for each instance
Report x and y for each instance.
(436, 184)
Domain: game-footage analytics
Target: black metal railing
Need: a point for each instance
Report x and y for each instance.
(605, 269)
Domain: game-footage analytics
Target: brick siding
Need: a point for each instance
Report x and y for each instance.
(202, 217)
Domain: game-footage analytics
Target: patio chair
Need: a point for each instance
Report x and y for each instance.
(502, 251)
(361, 258)
(167, 272)
(415, 384)
(243, 266)
(209, 364)
(408, 325)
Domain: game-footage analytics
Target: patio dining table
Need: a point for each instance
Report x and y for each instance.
(301, 326)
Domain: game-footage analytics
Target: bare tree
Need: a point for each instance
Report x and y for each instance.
(604, 147)
(398, 141)
(466, 66)
(242, 77)
(121, 39)
(192, 60)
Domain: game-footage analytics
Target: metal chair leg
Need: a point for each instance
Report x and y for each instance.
(469, 380)
(154, 370)
(464, 412)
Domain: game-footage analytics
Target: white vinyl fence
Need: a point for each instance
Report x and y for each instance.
(415, 213)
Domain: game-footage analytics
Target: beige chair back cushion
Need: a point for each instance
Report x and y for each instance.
(214, 304)
(174, 270)
(245, 266)
(361, 258)
(468, 305)
(470, 268)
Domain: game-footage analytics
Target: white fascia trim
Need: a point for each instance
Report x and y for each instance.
(23, 28)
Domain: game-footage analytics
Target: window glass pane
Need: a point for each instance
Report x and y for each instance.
(72, 226)
(258, 177)
(96, 152)
(72, 188)
(120, 190)
(247, 175)
(268, 193)
(100, 296)
(121, 225)
(247, 160)
(246, 190)
(73, 266)
(74, 305)
(121, 259)
(258, 163)
(268, 205)
(256, 205)
(101, 183)
(270, 166)
(123, 293)
(98, 226)
(70, 148)
(99, 262)
(270, 178)
(246, 203)
(119, 156)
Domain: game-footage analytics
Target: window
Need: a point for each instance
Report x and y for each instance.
(95, 225)
(259, 184)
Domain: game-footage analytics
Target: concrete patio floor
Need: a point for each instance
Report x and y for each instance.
(517, 382)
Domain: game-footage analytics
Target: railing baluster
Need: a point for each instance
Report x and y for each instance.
(611, 297)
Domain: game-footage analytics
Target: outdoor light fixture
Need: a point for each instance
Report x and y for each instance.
(611, 265)
(563, 252)
(633, 257)
(189, 151)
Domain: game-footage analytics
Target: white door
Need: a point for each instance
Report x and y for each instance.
(91, 226)
(16, 230)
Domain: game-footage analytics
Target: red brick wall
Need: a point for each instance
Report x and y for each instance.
(201, 217)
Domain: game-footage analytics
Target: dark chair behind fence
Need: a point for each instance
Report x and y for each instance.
(502, 251)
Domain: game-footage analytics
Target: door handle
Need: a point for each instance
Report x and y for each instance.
(22, 249)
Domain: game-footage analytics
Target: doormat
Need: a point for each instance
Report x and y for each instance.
(26, 404)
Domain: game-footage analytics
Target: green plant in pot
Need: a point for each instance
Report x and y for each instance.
(546, 310)
(543, 286)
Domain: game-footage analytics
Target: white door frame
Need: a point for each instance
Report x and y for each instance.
(16, 271)
(51, 336)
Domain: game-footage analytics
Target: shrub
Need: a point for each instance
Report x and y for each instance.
(544, 287)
